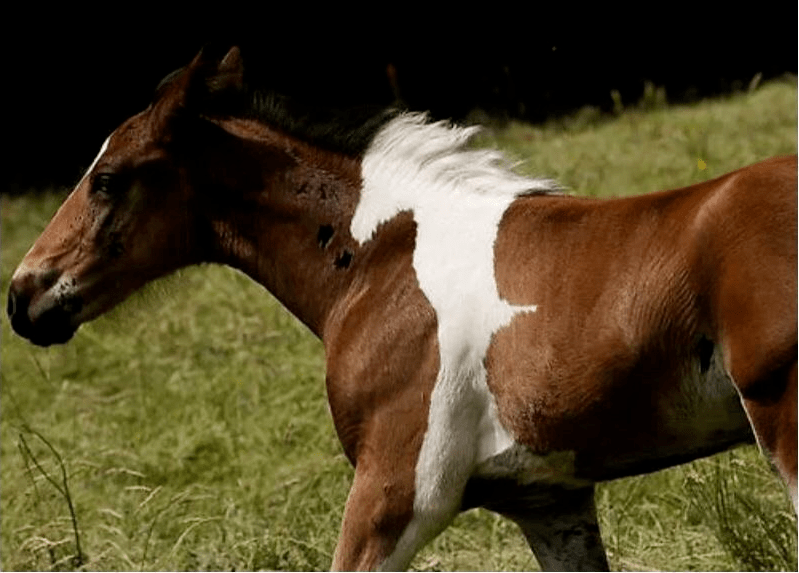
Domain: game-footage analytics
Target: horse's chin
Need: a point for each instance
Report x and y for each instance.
(52, 336)
(49, 329)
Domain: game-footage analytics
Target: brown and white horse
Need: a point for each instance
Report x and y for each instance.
(490, 342)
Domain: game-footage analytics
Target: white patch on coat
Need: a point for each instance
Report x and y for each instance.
(525, 467)
(706, 407)
(457, 197)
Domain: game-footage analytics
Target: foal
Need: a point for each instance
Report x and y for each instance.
(490, 342)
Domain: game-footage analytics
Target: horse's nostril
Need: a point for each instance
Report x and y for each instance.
(17, 309)
(50, 325)
(11, 305)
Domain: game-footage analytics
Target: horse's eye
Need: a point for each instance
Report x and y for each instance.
(103, 183)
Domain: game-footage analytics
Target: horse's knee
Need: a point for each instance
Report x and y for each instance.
(375, 516)
(380, 540)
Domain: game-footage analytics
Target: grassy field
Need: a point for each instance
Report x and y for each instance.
(190, 430)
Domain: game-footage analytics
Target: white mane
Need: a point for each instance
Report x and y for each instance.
(412, 162)
(457, 197)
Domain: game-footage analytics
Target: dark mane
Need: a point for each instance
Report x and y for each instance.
(164, 83)
(346, 130)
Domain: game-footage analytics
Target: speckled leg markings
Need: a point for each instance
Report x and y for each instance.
(457, 201)
(565, 536)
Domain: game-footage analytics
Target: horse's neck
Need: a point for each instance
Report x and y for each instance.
(293, 235)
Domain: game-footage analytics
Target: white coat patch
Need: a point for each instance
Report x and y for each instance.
(457, 197)
(24, 268)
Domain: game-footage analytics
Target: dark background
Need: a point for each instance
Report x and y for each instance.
(69, 79)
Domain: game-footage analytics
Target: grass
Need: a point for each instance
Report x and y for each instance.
(190, 430)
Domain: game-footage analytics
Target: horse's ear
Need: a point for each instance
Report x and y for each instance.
(229, 74)
(216, 84)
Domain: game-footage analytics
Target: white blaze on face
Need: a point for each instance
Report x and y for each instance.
(457, 198)
(25, 266)
(103, 149)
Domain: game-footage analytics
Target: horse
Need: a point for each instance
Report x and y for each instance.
(490, 341)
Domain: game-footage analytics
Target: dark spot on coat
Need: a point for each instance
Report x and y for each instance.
(343, 260)
(324, 235)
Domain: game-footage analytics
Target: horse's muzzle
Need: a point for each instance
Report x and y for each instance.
(51, 326)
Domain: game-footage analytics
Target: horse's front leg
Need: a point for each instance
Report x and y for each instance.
(383, 528)
(378, 510)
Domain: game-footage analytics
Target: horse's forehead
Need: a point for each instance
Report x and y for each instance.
(136, 132)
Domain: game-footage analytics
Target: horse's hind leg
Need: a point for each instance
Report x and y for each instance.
(564, 535)
(770, 403)
(759, 347)
(753, 297)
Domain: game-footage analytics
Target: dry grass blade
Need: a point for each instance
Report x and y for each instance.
(62, 488)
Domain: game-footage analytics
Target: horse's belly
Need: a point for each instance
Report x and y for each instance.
(699, 416)
(656, 423)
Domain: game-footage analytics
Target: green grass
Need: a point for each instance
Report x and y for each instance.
(193, 429)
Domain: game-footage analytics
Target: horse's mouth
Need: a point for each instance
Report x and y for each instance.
(55, 325)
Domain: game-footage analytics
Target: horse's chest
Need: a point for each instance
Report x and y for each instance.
(455, 267)
(453, 261)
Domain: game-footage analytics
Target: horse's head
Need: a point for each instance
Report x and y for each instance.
(132, 217)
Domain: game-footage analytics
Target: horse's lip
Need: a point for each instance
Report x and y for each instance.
(53, 327)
